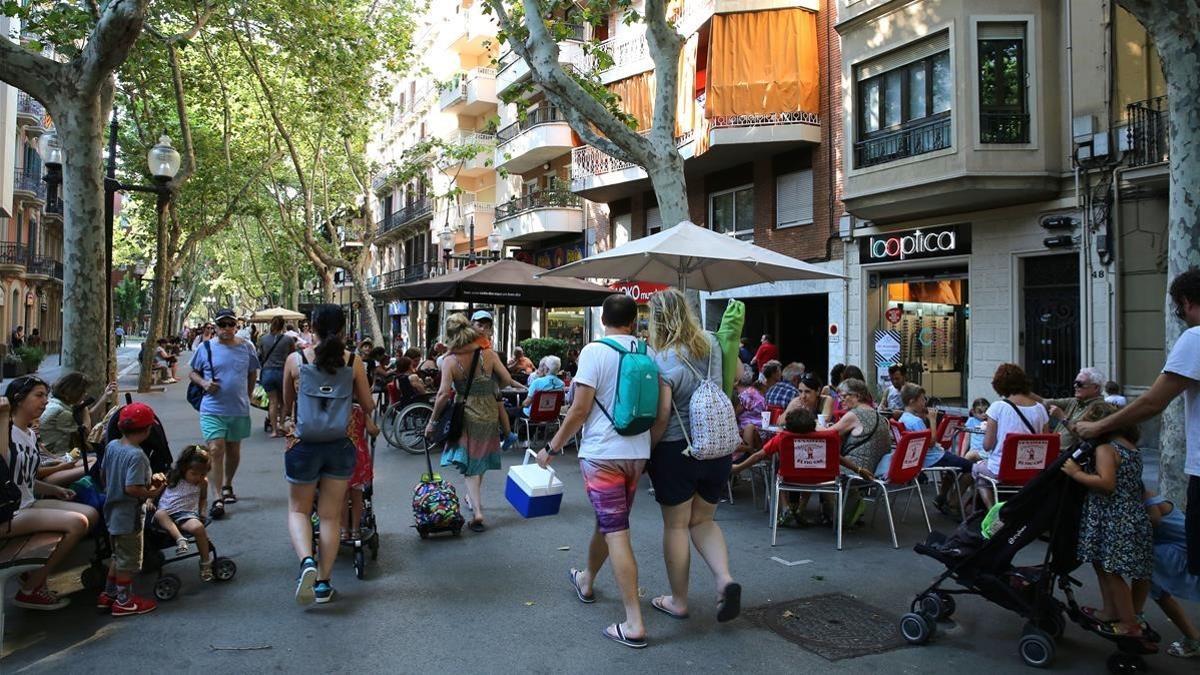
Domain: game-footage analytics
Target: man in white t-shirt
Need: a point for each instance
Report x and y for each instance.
(611, 465)
(1180, 375)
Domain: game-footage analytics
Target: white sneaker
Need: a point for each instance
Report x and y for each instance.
(181, 546)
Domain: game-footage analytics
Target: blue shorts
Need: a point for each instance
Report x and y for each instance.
(271, 379)
(306, 463)
(225, 427)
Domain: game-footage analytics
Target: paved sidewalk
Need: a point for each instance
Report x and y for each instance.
(500, 601)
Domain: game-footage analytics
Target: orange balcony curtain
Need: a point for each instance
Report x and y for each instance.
(763, 62)
(685, 95)
(637, 97)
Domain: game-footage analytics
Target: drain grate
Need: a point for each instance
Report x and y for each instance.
(833, 626)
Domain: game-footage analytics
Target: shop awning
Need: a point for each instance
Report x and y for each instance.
(506, 282)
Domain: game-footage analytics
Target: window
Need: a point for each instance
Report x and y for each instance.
(621, 225)
(794, 198)
(905, 99)
(653, 221)
(732, 212)
(1003, 98)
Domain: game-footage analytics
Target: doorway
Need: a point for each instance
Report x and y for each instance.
(1050, 336)
(796, 323)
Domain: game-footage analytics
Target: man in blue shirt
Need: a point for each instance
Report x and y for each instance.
(226, 368)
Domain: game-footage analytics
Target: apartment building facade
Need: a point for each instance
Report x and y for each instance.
(1005, 178)
(31, 269)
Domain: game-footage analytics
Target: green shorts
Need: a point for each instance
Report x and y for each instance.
(225, 427)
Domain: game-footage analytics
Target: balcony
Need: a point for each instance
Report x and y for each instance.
(418, 211)
(44, 267)
(30, 113)
(406, 275)
(53, 210)
(513, 69)
(542, 136)
(471, 32)
(14, 256)
(1003, 127)
(907, 142)
(27, 184)
(1147, 143)
(470, 154)
(483, 214)
(539, 215)
(630, 54)
(471, 93)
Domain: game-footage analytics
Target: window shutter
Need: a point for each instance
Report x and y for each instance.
(621, 226)
(906, 54)
(794, 198)
(1001, 31)
(653, 221)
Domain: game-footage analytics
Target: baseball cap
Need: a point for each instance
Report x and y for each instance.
(481, 315)
(135, 417)
(223, 313)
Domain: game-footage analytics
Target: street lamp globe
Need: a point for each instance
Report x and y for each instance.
(164, 159)
(495, 242)
(446, 239)
(50, 149)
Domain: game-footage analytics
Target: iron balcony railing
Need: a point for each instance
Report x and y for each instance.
(542, 114)
(1003, 127)
(407, 274)
(54, 207)
(29, 106)
(418, 209)
(45, 266)
(907, 142)
(13, 253)
(538, 200)
(1149, 142)
(29, 180)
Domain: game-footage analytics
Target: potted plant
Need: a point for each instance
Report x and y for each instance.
(31, 358)
(13, 366)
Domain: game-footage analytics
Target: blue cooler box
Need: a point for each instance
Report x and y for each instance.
(533, 491)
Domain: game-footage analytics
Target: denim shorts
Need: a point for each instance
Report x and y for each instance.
(306, 463)
(271, 379)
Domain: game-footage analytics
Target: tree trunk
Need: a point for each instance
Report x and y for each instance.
(367, 307)
(326, 285)
(80, 128)
(665, 176)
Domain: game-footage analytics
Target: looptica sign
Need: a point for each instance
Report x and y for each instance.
(915, 244)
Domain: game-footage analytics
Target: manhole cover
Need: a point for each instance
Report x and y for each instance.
(833, 626)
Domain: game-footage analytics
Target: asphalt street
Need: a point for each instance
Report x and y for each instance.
(500, 601)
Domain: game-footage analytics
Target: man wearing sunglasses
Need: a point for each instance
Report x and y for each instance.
(226, 368)
(1180, 375)
(1064, 412)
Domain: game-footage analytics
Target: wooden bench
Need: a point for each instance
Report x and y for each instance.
(21, 554)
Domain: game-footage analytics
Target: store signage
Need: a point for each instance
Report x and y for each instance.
(887, 347)
(397, 308)
(555, 256)
(893, 315)
(932, 242)
(640, 291)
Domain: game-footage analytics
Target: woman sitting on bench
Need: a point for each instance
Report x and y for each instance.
(54, 512)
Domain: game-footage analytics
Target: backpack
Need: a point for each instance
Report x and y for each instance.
(10, 493)
(635, 403)
(713, 422)
(323, 402)
(195, 393)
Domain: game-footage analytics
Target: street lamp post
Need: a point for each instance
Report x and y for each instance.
(495, 244)
(163, 162)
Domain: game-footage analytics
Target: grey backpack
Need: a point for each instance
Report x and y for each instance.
(324, 402)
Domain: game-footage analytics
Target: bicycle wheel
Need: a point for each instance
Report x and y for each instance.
(409, 427)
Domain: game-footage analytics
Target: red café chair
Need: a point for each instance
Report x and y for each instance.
(810, 463)
(776, 413)
(947, 429)
(898, 430)
(908, 460)
(1022, 457)
(543, 413)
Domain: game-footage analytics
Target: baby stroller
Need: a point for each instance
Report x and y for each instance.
(1048, 507)
(159, 551)
(367, 537)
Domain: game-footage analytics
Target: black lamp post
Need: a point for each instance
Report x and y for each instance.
(163, 161)
(446, 239)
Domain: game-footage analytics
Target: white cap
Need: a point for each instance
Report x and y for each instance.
(482, 315)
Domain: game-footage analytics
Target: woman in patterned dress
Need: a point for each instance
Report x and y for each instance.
(1115, 534)
(477, 451)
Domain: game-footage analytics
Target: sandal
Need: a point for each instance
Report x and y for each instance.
(585, 599)
(1184, 649)
(660, 604)
(227, 495)
(476, 526)
(217, 510)
(206, 571)
(730, 604)
(615, 633)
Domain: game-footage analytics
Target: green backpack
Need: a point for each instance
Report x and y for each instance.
(635, 405)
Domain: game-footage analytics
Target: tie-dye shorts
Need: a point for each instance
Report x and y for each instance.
(611, 485)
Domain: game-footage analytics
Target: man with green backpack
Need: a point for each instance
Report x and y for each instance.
(618, 397)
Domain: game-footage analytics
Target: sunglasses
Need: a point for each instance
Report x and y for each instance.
(1080, 385)
(226, 324)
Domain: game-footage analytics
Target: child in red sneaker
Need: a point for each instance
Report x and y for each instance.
(128, 484)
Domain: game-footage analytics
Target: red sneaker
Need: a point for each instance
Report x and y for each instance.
(104, 601)
(40, 598)
(135, 605)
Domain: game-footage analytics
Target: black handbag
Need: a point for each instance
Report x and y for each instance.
(10, 493)
(449, 426)
(195, 393)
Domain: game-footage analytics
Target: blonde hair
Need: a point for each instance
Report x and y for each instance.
(673, 325)
(459, 331)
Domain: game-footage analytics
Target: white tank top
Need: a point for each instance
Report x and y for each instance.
(182, 497)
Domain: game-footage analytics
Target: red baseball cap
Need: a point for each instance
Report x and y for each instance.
(135, 417)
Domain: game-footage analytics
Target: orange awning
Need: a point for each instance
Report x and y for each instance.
(637, 97)
(763, 62)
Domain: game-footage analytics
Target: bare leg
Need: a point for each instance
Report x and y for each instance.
(86, 511)
(164, 521)
(1107, 608)
(65, 477)
(300, 505)
(620, 551)
(710, 542)
(196, 529)
(1174, 611)
(356, 509)
(73, 525)
(677, 553)
(474, 493)
(216, 471)
(331, 503)
(233, 457)
(274, 405)
(1122, 600)
(597, 554)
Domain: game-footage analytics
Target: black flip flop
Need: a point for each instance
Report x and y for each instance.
(657, 603)
(217, 510)
(632, 643)
(573, 574)
(731, 605)
(476, 526)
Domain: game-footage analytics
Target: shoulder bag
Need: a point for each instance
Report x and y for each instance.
(195, 393)
(448, 427)
(1020, 414)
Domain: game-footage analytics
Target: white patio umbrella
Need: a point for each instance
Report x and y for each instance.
(690, 256)
(266, 315)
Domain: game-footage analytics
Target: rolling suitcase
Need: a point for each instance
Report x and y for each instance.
(435, 504)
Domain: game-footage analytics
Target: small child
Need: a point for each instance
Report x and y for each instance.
(1114, 530)
(128, 484)
(182, 502)
(364, 472)
(976, 421)
(797, 422)
(1112, 394)
(1171, 579)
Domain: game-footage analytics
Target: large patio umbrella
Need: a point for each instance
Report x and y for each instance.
(266, 315)
(505, 282)
(690, 256)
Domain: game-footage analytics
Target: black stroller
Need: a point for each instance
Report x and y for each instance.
(1049, 507)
